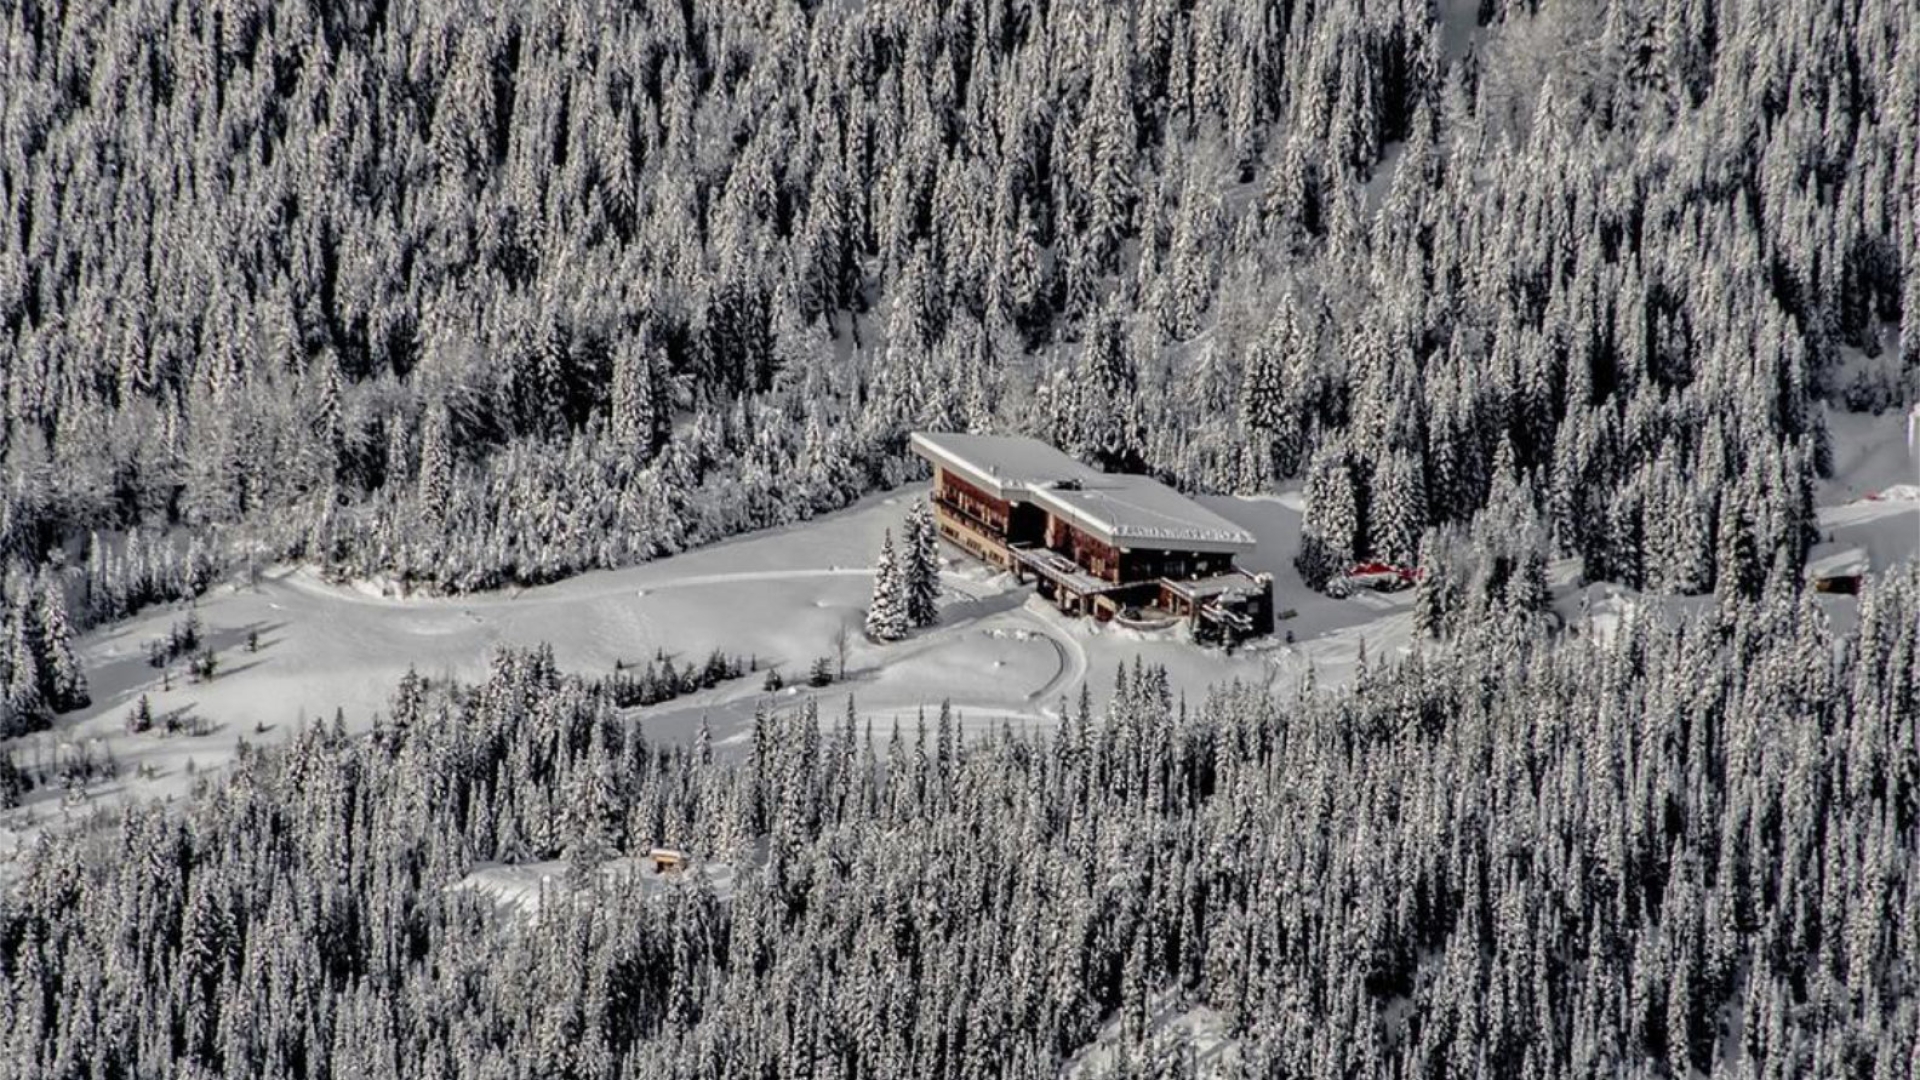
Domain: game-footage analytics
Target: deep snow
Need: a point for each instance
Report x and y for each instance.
(786, 597)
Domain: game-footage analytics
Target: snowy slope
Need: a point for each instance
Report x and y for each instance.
(522, 888)
(1193, 1036)
(1869, 514)
(788, 596)
(785, 597)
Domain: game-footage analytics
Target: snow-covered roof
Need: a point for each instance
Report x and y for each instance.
(1141, 512)
(1834, 560)
(1008, 465)
(1125, 510)
(1067, 572)
(1218, 585)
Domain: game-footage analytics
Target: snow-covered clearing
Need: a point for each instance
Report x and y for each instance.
(1870, 455)
(786, 597)
(1459, 28)
(1869, 512)
(522, 888)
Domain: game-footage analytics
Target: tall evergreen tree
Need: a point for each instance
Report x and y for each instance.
(922, 565)
(1330, 525)
(25, 700)
(632, 404)
(66, 682)
(887, 614)
(435, 474)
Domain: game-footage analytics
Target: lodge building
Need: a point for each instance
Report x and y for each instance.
(1108, 545)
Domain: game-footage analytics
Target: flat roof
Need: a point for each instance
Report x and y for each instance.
(1209, 587)
(1141, 512)
(1126, 510)
(1009, 464)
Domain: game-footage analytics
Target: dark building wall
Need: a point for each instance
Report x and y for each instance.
(971, 501)
(1180, 565)
(1027, 524)
(1093, 555)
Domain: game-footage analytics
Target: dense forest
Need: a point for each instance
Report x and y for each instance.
(471, 294)
(1662, 850)
(467, 295)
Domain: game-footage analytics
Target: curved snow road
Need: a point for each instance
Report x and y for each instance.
(303, 581)
(1073, 658)
(980, 602)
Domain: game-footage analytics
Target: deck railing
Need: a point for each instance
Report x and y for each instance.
(980, 525)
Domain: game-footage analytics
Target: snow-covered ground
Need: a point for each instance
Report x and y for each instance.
(1869, 512)
(1870, 455)
(521, 888)
(785, 597)
(1194, 1034)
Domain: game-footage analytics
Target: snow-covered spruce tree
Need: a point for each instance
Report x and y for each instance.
(1330, 525)
(1265, 402)
(1398, 505)
(1738, 569)
(65, 681)
(1436, 591)
(140, 717)
(1101, 397)
(632, 401)
(887, 614)
(922, 564)
(434, 478)
(24, 687)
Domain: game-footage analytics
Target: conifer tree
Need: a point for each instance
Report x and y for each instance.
(1398, 508)
(13, 782)
(25, 698)
(66, 682)
(887, 614)
(140, 717)
(633, 413)
(329, 430)
(1329, 526)
(1433, 597)
(435, 475)
(922, 563)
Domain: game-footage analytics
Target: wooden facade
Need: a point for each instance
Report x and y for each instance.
(1085, 573)
(967, 501)
(1094, 555)
(972, 519)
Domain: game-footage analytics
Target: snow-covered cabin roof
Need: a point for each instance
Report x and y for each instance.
(1124, 510)
(1207, 588)
(1140, 512)
(1009, 466)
